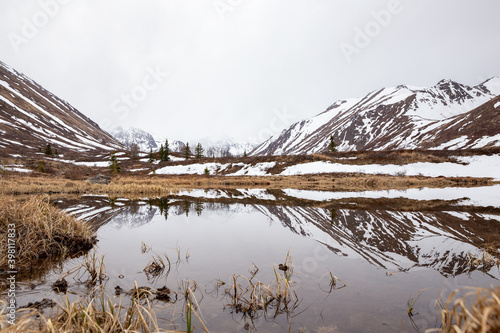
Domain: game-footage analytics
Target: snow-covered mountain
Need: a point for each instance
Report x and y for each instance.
(174, 145)
(225, 147)
(401, 117)
(144, 140)
(31, 117)
(212, 148)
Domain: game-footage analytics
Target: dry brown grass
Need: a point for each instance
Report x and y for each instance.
(18, 185)
(41, 231)
(97, 313)
(327, 182)
(477, 311)
(151, 186)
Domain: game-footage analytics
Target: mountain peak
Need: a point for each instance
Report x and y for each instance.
(400, 117)
(448, 83)
(492, 86)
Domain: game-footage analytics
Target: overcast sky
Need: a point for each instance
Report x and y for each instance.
(240, 68)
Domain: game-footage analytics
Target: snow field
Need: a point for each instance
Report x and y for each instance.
(477, 166)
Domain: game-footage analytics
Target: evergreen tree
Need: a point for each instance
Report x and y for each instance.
(245, 154)
(134, 149)
(166, 152)
(113, 164)
(198, 151)
(187, 151)
(161, 152)
(332, 146)
(151, 156)
(48, 149)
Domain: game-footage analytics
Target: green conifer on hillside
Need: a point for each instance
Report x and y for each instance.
(48, 149)
(187, 151)
(151, 156)
(166, 152)
(160, 153)
(113, 164)
(332, 146)
(198, 151)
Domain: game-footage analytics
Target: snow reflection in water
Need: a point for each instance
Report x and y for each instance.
(382, 255)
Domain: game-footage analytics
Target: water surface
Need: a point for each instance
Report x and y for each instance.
(384, 256)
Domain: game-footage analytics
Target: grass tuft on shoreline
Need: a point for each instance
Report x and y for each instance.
(476, 311)
(41, 231)
(99, 313)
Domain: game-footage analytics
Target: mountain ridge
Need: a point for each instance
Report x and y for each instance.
(146, 141)
(31, 117)
(385, 119)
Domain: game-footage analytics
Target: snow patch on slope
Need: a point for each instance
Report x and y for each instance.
(477, 166)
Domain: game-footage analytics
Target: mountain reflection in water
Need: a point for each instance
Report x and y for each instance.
(390, 239)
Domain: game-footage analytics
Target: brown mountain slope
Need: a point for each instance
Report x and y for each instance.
(31, 117)
(394, 118)
(478, 128)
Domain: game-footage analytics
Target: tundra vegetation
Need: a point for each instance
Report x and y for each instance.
(45, 232)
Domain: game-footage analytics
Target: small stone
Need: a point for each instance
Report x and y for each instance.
(118, 290)
(60, 286)
(99, 179)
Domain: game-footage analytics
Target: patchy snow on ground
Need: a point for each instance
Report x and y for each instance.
(171, 159)
(99, 164)
(487, 140)
(14, 168)
(191, 169)
(146, 160)
(475, 196)
(453, 144)
(497, 104)
(259, 169)
(477, 166)
(135, 170)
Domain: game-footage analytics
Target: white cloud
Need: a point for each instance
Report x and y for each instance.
(228, 75)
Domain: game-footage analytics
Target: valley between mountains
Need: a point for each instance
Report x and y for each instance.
(450, 130)
(394, 193)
